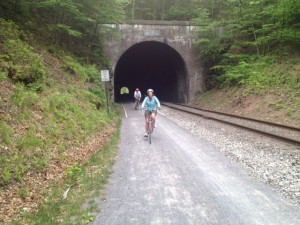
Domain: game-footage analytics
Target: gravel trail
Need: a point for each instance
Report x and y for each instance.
(274, 162)
(184, 179)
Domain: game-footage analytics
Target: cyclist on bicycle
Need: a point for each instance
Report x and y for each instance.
(151, 104)
(137, 96)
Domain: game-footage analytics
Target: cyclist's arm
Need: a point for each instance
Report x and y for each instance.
(144, 103)
(158, 103)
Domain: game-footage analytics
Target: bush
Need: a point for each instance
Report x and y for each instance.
(3, 75)
(86, 73)
(9, 30)
(5, 133)
(22, 64)
(24, 97)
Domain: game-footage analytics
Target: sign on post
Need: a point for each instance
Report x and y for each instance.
(104, 75)
(105, 78)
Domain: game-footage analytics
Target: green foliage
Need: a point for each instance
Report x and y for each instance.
(9, 30)
(86, 73)
(69, 24)
(24, 97)
(3, 75)
(99, 94)
(65, 113)
(210, 49)
(21, 63)
(66, 29)
(237, 74)
(5, 132)
(253, 28)
(74, 172)
(54, 210)
(17, 59)
(162, 9)
(29, 140)
(23, 193)
(6, 174)
(260, 74)
(88, 218)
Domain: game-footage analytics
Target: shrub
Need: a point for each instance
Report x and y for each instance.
(74, 172)
(23, 65)
(86, 73)
(5, 133)
(24, 98)
(8, 30)
(3, 75)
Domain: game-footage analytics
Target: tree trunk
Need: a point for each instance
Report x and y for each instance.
(132, 9)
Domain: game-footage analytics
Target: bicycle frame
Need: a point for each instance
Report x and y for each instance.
(137, 103)
(150, 127)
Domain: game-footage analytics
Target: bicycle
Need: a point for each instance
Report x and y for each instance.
(137, 104)
(150, 130)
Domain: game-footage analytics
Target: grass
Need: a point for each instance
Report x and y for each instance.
(46, 120)
(50, 105)
(85, 182)
(272, 85)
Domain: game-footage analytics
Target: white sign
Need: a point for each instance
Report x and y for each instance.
(104, 75)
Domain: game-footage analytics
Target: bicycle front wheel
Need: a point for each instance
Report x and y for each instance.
(150, 131)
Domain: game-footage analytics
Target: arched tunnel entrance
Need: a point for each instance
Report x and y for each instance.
(155, 65)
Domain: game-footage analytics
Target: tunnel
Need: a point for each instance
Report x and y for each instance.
(154, 65)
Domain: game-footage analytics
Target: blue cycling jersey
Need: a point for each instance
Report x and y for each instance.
(152, 104)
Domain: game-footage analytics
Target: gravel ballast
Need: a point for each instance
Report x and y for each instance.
(271, 161)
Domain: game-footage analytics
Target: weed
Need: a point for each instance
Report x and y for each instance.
(87, 218)
(8, 30)
(74, 172)
(6, 174)
(23, 64)
(86, 73)
(39, 163)
(23, 193)
(30, 140)
(5, 133)
(91, 178)
(3, 75)
(24, 98)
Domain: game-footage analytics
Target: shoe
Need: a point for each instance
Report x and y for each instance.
(146, 135)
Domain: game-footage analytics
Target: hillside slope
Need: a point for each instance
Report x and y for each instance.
(52, 116)
(265, 89)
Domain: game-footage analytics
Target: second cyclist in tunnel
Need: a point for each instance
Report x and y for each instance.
(151, 104)
(137, 97)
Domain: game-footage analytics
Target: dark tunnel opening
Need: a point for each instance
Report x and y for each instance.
(152, 65)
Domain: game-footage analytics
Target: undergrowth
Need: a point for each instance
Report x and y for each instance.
(84, 183)
(270, 82)
(42, 113)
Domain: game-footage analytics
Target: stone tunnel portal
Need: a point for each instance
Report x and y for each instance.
(155, 65)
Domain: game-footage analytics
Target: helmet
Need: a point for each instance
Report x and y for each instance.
(150, 90)
(137, 89)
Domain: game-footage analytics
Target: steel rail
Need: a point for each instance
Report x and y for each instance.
(274, 136)
(243, 117)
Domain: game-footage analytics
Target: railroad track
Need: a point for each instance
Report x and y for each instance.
(287, 134)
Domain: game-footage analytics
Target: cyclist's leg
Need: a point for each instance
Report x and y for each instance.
(138, 102)
(153, 115)
(135, 104)
(147, 115)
